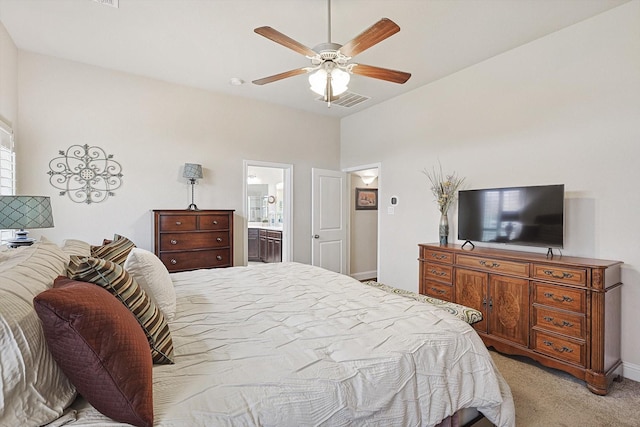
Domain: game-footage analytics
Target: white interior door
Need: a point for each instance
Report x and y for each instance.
(329, 220)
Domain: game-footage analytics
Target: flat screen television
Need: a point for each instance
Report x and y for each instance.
(529, 216)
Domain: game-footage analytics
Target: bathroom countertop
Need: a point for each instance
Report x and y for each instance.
(265, 227)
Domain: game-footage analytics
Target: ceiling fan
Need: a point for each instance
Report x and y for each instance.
(330, 62)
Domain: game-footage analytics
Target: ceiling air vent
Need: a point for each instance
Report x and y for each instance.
(347, 99)
(112, 3)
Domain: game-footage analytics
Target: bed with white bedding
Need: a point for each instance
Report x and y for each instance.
(289, 344)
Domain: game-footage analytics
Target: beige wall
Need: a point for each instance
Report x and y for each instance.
(562, 109)
(152, 128)
(8, 79)
(363, 230)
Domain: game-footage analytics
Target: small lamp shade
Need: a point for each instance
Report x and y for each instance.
(20, 212)
(192, 171)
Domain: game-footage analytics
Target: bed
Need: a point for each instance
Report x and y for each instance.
(290, 344)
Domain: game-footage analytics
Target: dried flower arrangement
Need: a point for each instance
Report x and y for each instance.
(444, 187)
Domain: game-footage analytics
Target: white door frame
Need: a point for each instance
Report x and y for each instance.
(380, 207)
(287, 223)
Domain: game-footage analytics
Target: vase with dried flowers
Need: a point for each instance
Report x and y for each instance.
(444, 188)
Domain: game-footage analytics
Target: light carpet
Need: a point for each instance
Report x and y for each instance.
(547, 397)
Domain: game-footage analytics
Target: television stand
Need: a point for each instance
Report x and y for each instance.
(550, 253)
(562, 312)
(472, 245)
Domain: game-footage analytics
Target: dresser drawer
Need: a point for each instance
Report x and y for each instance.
(494, 265)
(442, 273)
(571, 276)
(437, 290)
(560, 297)
(180, 261)
(437, 256)
(572, 351)
(194, 240)
(271, 234)
(562, 322)
(177, 222)
(213, 222)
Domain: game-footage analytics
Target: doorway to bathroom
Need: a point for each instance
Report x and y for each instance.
(268, 212)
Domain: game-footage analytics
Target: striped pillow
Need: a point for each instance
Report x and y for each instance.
(116, 251)
(116, 280)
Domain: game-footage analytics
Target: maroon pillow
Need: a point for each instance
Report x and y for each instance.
(101, 347)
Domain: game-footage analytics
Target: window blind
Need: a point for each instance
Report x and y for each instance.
(7, 168)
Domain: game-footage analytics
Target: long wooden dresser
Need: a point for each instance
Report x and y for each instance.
(563, 312)
(188, 240)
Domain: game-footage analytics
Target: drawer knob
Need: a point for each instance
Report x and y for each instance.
(562, 349)
(563, 299)
(438, 273)
(215, 222)
(437, 256)
(219, 239)
(562, 325)
(219, 257)
(173, 261)
(438, 291)
(558, 276)
(174, 242)
(178, 223)
(489, 265)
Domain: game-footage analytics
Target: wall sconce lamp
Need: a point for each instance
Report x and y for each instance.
(368, 179)
(368, 175)
(20, 212)
(192, 171)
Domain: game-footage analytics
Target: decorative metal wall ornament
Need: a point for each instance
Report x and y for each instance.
(85, 174)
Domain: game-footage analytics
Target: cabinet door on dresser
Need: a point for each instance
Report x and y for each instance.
(503, 302)
(471, 290)
(509, 308)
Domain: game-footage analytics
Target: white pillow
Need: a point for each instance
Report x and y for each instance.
(35, 391)
(77, 247)
(153, 277)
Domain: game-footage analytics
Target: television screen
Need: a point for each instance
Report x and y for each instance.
(532, 216)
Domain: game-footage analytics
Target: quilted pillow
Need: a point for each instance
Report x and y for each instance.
(99, 344)
(152, 276)
(116, 251)
(34, 390)
(118, 282)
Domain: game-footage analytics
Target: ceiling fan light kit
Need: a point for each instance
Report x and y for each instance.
(331, 70)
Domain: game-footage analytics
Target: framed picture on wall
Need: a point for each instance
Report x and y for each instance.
(366, 199)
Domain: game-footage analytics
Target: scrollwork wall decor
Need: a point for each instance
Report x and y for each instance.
(85, 174)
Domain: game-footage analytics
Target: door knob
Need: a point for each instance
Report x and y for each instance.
(316, 236)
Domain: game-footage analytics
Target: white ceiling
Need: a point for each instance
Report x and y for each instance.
(205, 43)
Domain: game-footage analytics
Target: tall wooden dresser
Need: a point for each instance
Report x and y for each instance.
(563, 312)
(188, 240)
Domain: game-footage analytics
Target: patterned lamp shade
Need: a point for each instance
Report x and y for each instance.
(24, 212)
(192, 171)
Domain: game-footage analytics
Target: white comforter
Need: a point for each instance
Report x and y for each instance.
(293, 345)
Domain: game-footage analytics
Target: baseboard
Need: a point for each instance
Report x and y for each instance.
(631, 371)
(365, 275)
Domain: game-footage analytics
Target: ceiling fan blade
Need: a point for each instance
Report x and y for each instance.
(280, 76)
(380, 73)
(379, 31)
(278, 37)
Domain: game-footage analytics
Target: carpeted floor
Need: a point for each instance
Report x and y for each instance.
(547, 397)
